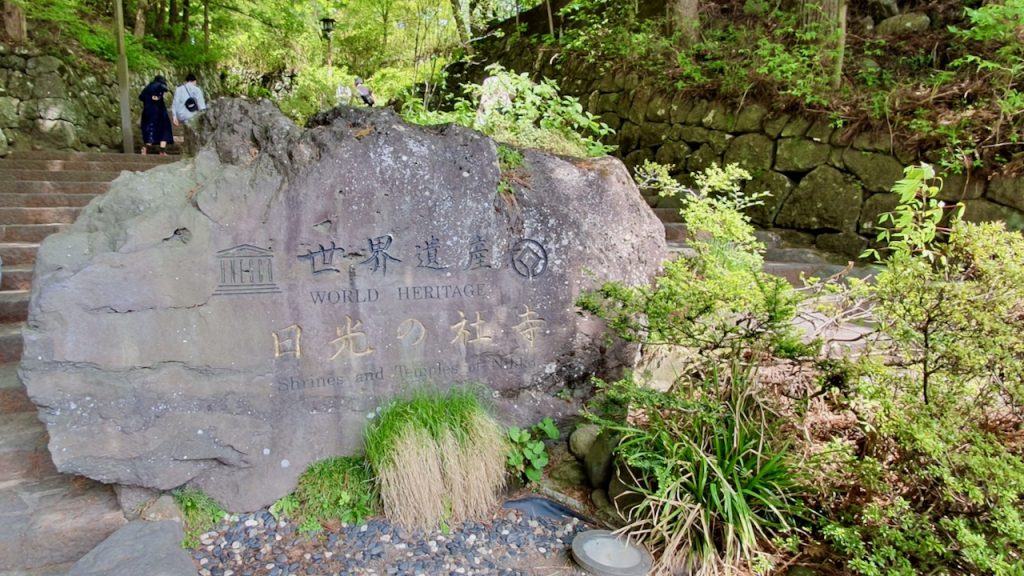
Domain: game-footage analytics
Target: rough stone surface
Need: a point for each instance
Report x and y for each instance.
(582, 439)
(752, 152)
(150, 548)
(778, 186)
(985, 211)
(875, 206)
(957, 187)
(848, 244)
(227, 320)
(903, 24)
(598, 460)
(824, 199)
(1007, 190)
(750, 118)
(568, 473)
(704, 157)
(878, 172)
(800, 155)
(673, 153)
(134, 500)
(163, 508)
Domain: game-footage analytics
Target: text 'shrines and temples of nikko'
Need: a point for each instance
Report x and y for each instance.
(226, 320)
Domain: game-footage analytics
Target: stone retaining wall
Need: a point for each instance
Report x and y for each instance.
(54, 102)
(827, 188)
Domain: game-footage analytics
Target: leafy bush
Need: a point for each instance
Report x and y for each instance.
(717, 301)
(200, 513)
(936, 484)
(522, 113)
(332, 489)
(705, 456)
(438, 457)
(315, 90)
(527, 455)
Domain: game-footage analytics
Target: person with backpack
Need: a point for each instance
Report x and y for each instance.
(188, 100)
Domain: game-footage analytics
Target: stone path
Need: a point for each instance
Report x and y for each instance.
(47, 519)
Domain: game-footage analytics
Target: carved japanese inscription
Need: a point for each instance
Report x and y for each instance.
(324, 271)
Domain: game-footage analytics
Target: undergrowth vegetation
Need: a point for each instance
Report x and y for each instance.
(199, 512)
(438, 458)
(955, 86)
(332, 490)
(511, 108)
(897, 453)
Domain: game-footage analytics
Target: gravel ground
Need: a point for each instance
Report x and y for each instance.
(509, 545)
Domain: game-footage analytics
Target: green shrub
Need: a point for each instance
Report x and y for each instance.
(315, 90)
(332, 489)
(937, 485)
(200, 513)
(527, 455)
(717, 301)
(438, 457)
(522, 113)
(706, 456)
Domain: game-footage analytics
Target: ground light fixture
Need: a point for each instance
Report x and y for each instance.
(603, 553)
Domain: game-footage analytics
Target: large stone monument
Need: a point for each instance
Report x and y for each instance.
(226, 320)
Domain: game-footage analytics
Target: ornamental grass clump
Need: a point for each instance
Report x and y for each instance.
(438, 457)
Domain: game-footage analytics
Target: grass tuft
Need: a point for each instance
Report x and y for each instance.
(201, 513)
(438, 457)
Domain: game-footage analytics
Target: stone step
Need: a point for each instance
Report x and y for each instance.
(668, 215)
(54, 519)
(45, 187)
(675, 232)
(14, 306)
(16, 277)
(28, 233)
(133, 163)
(24, 216)
(15, 253)
(56, 200)
(13, 396)
(68, 156)
(47, 519)
(61, 569)
(58, 176)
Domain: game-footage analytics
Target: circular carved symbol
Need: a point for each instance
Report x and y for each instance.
(529, 258)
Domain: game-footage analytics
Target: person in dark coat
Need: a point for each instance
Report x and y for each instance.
(156, 124)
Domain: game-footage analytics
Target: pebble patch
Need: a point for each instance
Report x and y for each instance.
(510, 545)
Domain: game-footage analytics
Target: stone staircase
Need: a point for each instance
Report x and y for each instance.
(48, 520)
(789, 260)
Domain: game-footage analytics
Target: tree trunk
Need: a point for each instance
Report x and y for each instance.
(172, 15)
(829, 16)
(185, 9)
(685, 18)
(206, 25)
(14, 22)
(460, 22)
(140, 19)
(551, 19)
(158, 19)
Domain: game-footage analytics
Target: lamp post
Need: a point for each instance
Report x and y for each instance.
(326, 27)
